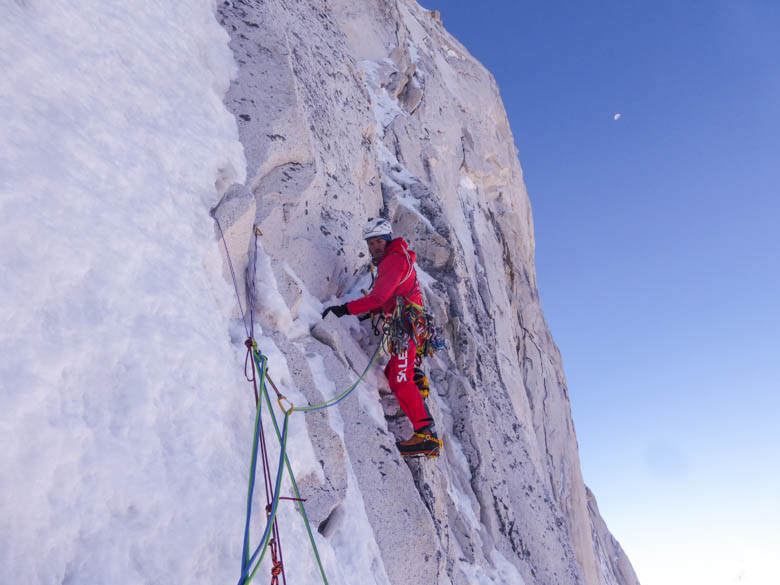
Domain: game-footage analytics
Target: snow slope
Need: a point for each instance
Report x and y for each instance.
(117, 373)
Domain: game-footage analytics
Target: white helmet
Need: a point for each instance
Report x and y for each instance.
(377, 227)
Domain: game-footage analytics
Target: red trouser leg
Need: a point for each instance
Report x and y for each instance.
(400, 374)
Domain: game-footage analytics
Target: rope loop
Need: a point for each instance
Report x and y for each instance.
(250, 563)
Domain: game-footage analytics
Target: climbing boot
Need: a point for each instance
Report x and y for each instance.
(423, 443)
(422, 382)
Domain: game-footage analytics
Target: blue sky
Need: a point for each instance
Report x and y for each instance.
(657, 255)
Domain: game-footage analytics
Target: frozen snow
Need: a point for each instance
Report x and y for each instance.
(414, 55)
(117, 374)
(386, 109)
(467, 183)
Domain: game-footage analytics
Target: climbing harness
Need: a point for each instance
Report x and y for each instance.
(408, 321)
(411, 321)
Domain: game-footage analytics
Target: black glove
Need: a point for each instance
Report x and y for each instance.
(338, 310)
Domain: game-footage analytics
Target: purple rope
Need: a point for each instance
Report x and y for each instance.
(233, 274)
(252, 291)
(251, 274)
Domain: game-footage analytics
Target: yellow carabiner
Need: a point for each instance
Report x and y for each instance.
(285, 411)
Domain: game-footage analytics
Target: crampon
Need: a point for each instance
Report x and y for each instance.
(422, 444)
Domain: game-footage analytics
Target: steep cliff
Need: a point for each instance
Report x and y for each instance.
(350, 110)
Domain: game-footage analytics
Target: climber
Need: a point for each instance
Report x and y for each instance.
(396, 278)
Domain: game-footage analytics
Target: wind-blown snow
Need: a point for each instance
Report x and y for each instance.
(117, 373)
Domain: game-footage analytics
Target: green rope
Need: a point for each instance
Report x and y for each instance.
(295, 485)
(262, 369)
(264, 547)
(343, 395)
(282, 437)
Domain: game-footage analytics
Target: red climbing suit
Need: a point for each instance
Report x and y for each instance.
(397, 277)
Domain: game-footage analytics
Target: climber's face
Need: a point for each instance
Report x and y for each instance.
(376, 247)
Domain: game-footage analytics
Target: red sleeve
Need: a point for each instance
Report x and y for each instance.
(391, 272)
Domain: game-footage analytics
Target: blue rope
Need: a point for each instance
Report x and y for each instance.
(246, 576)
(261, 363)
(252, 471)
(297, 491)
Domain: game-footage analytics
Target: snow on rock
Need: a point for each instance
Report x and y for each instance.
(125, 418)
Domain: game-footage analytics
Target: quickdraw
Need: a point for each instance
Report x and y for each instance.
(277, 568)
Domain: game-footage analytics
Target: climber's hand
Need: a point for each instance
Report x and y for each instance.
(338, 310)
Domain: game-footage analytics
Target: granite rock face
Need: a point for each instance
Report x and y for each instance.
(348, 110)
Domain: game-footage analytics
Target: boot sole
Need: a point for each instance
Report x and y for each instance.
(420, 455)
(429, 453)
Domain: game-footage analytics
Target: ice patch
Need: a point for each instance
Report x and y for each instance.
(386, 109)
(467, 183)
(414, 55)
(269, 303)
